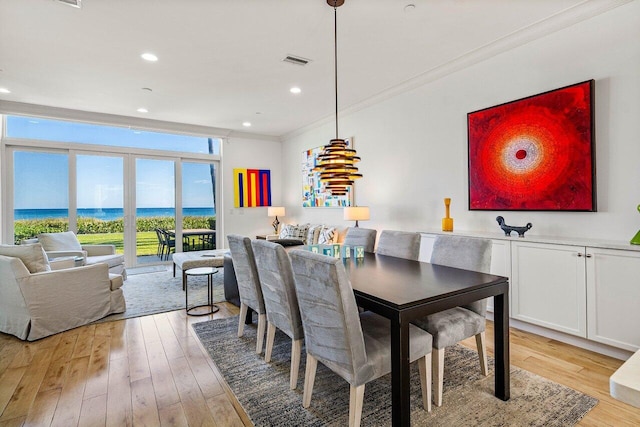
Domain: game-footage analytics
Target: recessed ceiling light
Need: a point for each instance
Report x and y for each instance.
(409, 8)
(295, 90)
(4, 90)
(148, 89)
(246, 124)
(149, 57)
(142, 110)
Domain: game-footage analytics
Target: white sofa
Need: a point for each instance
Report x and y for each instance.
(66, 244)
(36, 302)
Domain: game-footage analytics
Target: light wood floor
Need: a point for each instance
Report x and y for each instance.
(153, 371)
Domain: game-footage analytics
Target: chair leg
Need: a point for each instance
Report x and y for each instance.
(356, 398)
(262, 325)
(296, 349)
(482, 352)
(309, 379)
(437, 370)
(243, 313)
(424, 366)
(271, 333)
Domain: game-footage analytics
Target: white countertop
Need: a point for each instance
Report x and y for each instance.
(558, 240)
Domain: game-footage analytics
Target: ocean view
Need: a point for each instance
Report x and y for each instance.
(108, 214)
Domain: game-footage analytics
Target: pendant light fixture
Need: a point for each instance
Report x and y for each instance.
(336, 163)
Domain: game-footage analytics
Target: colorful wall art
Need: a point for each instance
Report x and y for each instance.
(313, 192)
(251, 187)
(535, 153)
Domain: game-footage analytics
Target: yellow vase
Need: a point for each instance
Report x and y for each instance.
(447, 221)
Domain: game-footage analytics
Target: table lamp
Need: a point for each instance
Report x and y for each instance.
(356, 213)
(275, 211)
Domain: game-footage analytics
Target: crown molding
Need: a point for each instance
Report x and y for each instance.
(551, 24)
(24, 109)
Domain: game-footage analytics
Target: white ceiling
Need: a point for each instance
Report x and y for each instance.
(220, 61)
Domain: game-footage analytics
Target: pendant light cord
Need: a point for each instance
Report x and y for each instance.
(335, 59)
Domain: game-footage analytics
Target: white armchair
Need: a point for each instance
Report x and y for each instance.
(36, 302)
(66, 244)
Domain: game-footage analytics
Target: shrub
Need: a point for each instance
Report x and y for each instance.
(28, 228)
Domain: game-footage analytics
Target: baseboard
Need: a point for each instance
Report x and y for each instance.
(596, 347)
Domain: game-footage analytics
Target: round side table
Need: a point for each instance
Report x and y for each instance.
(201, 271)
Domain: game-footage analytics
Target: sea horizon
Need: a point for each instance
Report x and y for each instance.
(108, 214)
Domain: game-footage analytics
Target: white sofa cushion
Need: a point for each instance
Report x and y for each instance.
(32, 256)
(327, 235)
(110, 260)
(64, 241)
(313, 234)
(298, 231)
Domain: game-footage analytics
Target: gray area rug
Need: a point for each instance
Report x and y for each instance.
(263, 389)
(152, 293)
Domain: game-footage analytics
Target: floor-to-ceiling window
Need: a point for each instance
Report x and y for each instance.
(109, 184)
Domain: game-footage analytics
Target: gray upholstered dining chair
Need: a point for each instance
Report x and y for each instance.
(400, 244)
(249, 289)
(454, 325)
(356, 346)
(357, 236)
(280, 301)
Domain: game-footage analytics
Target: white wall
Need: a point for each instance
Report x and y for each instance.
(249, 154)
(414, 145)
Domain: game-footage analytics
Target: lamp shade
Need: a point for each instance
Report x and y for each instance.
(356, 213)
(275, 211)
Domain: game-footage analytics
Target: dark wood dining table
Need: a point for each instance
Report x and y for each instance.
(404, 290)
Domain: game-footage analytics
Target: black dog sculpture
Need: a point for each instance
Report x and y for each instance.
(508, 228)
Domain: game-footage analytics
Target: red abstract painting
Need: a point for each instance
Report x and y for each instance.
(535, 153)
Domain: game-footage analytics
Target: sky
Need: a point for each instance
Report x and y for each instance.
(41, 179)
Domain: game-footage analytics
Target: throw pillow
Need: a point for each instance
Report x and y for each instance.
(326, 235)
(65, 241)
(298, 232)
(313, 234)
(32, 256)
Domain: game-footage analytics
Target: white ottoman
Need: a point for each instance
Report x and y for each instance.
(624, 384)
(187, 260)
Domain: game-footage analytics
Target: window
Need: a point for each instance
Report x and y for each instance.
(85, 133)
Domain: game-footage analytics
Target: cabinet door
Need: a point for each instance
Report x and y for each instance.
(500, 265)
(549, 286)
(613, 297)
(426, 246)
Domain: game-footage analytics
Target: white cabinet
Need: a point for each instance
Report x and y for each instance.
(613, 297)
(548, 286)
(567, 285)
(500, 265)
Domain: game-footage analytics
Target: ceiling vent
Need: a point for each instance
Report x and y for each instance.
(296, 60)
(73, 3)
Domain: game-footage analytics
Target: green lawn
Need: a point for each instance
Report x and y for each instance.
(147, 241)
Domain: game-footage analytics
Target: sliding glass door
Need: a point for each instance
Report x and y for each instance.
(155, 213)
(124, 200)
(100, 200)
